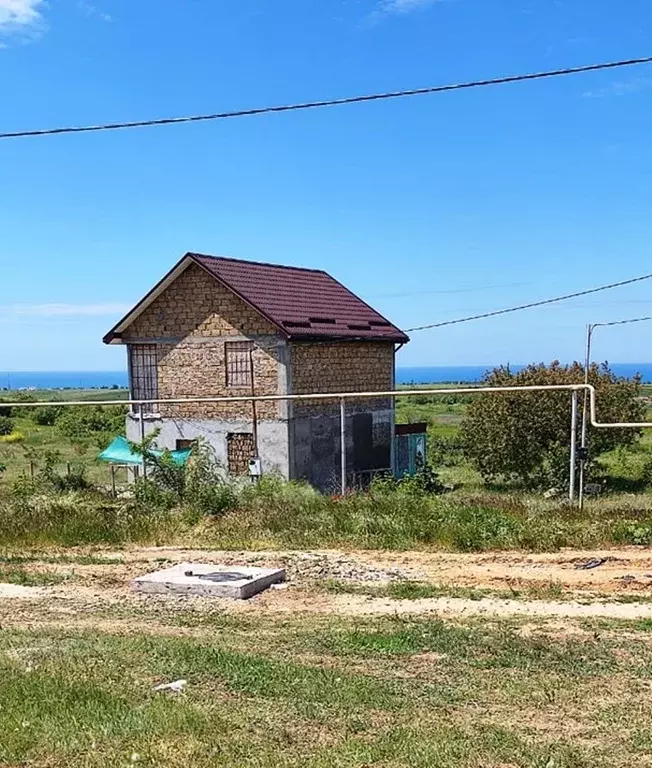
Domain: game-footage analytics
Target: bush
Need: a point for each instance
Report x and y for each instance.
(14, 437)
(5, 410)
(46, 416)
(6, 425)
(198, 486)
(86, 422)
(445, 451)
(525, 437)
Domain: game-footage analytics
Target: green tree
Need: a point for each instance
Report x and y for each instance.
(6, 425)
(525, 437)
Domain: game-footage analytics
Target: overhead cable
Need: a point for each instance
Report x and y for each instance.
(531, 305)
(329, 102)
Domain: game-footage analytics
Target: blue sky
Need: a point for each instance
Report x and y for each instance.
(431, 208)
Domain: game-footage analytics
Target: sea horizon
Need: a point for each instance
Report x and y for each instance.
(426, 374)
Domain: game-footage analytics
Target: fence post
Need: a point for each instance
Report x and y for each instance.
(573, 447)
(343, 445)
(113, 490)
(142, 437)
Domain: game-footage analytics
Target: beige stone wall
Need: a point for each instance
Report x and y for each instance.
(197, 305)
(190, 323)
(341, 367)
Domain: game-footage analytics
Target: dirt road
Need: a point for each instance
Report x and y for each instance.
(616, 584)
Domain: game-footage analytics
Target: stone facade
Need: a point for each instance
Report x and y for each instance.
(190, 322)
(361, 366)
(240, 448)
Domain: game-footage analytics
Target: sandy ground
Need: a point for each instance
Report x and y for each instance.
(620, 586)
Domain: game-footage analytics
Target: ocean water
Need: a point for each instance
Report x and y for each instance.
(62, 379)
(470, 374)
(438, 374)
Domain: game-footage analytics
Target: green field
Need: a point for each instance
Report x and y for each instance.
(23, 455)
(325, 693)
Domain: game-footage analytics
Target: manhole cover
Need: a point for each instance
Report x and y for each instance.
(220, 576)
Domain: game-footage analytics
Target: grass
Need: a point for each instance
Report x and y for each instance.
(324, 693)
(33, 439)
(58, 559)
(420, 590)
(14, 574)
(285, 515)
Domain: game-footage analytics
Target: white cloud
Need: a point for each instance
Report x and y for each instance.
(386, 8)
(403, 6)
(21, 17)
(620, 88)
(64, 310)
(90, 9)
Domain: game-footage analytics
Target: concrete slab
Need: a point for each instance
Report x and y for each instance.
(209, 580)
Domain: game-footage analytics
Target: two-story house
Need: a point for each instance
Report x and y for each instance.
(223, 327)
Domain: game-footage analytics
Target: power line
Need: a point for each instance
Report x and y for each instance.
(621, 322)
(329, 102)
(529, 306)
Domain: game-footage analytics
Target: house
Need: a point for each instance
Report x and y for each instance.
(217, 326)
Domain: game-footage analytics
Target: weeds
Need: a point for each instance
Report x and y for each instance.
(43, 578)
(293, 515)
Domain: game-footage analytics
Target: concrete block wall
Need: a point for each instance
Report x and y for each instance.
(315, 452)
(272, 437)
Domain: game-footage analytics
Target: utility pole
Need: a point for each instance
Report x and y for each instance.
(590, 328)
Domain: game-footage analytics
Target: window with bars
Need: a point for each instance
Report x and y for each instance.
(237, 355)
(144, 375)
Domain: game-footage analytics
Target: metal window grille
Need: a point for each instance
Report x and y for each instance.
(144, 375)
(238, 363)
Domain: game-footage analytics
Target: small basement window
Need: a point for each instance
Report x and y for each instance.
(237, 356)
(143, 375)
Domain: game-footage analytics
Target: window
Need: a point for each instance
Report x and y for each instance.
(238, 363)
(144, 375)
(239, 449)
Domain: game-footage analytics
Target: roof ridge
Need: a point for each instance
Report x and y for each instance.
(257, 263)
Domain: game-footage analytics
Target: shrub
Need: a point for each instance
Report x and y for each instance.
(86, 422)
(49, 480)
(46, 416)
(524, 437)
(199, 486)
(445, 451)
(14, 437)
(6, 425)
(5, 410)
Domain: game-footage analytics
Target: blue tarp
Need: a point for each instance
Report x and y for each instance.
(119, 452)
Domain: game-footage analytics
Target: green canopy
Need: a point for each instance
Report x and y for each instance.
(119, 452)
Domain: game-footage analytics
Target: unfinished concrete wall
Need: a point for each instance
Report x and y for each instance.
(315, 452)
(272, 437)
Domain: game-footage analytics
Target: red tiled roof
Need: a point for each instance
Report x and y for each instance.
(303, 303)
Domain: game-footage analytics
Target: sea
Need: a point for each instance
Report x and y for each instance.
(438, 374)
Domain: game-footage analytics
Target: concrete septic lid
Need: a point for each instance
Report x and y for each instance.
(209, 580)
